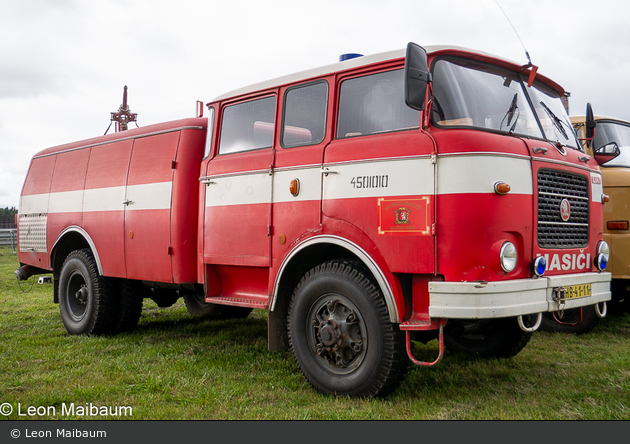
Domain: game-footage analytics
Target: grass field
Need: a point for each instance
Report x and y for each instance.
(176, 367)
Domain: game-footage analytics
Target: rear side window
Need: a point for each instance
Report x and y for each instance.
(305, 115)
(374, 104)
(248, 126)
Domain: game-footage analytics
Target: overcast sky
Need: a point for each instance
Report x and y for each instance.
(64, 63)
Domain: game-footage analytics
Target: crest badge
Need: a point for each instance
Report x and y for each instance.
(402, 216)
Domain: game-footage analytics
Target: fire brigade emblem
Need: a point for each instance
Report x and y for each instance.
(402, 216)
(565, 210)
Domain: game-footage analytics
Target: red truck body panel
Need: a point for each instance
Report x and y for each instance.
(155, 169)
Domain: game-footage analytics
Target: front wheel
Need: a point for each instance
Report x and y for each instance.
(340, 333)
(487, 338)
(575, 320)
(85, 297)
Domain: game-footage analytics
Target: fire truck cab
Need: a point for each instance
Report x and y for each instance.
(409, 195)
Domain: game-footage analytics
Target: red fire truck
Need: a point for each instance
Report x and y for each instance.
(409, 195)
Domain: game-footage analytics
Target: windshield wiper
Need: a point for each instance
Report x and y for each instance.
(556, 121)
(510, 114)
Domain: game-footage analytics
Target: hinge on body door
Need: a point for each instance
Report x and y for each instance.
(173, 164)
(169, 251)
(433, 229)
(434, 158)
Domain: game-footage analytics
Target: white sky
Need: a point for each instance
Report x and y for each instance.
(64, 63)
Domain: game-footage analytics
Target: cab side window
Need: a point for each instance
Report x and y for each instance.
(374, 104)
(248, 126)
(304, 115)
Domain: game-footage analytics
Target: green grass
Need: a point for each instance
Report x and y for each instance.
(174, 366)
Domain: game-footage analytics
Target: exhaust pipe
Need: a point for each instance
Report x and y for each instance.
(25, 272)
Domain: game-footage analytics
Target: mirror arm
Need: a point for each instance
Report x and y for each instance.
(428, 109)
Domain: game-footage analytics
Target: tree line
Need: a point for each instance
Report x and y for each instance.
(8, 212)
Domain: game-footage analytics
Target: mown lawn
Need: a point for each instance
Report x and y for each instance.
(174, 366)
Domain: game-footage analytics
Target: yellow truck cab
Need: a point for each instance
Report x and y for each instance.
(616, 181)
(604, 136)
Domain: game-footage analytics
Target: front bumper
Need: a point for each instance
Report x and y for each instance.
(483, 300)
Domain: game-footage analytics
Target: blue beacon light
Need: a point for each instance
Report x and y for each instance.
(540, 266)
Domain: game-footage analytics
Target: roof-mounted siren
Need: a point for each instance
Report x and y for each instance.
(350, 55)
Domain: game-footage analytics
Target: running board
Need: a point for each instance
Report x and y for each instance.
(251, 302)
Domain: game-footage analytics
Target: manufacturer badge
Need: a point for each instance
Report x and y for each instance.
(565, 210)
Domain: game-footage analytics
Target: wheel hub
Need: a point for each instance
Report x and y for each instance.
(82, 295)
(329, 334)
(338, 336)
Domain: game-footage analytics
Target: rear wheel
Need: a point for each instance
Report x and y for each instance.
(488, 338)
(85, 297)
(340, 333)
(129, 307)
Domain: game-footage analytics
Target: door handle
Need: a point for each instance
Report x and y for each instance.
(206, 180)
(326, 171)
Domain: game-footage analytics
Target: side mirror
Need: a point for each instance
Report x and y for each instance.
(590, 123)
(606, 153)
(417, 76)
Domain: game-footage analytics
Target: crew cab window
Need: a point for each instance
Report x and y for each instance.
(248, 126)
(374, 104)
(304, 115)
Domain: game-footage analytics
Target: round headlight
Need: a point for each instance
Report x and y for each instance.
(540, 266)
(508, 257)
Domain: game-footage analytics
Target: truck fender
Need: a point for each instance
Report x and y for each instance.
(85, 236)
(361, 254)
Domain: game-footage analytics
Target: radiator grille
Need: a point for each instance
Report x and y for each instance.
(553, 188)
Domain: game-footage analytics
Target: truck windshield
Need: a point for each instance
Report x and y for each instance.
(607, 132)
(552, 115)
(467, 93)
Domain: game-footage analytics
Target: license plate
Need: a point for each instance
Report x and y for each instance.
(577, 291)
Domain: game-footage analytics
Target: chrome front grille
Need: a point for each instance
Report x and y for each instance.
(553, 188)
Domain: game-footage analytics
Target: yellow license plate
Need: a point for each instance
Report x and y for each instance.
(577, 291)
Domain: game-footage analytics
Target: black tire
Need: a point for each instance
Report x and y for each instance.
(197, 306)
(85, 297)
(488, 338)
(570, 321)
(162, 297)
(129, 307)
(340, 333)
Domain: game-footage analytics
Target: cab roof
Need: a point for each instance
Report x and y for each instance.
(370, 59)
